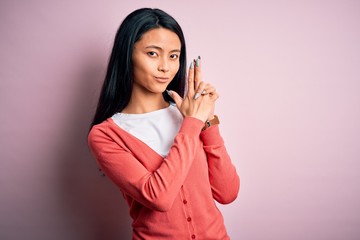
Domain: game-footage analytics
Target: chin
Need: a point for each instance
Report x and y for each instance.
(156, 91)
(161, 89)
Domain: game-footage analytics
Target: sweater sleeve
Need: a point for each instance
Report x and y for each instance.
(224, 180)
(156, 190)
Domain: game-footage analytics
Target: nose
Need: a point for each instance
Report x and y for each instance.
(163, 65)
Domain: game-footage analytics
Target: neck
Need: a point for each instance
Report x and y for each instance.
(144, 103)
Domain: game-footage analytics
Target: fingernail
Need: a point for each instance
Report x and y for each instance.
(203, 92)
(198, 62)
(197, 95)
(169, 93)
(191, 65)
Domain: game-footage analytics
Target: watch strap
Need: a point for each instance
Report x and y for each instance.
(211, 122)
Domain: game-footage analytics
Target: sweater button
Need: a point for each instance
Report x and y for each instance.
(185, 202)
(189, 219)
(193, 236)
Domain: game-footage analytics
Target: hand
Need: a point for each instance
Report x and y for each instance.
(199, 101)
(209, 89)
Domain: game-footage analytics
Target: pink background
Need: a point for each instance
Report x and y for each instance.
(288, 73)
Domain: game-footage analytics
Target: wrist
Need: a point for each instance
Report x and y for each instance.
(213, 120)
(211, 117)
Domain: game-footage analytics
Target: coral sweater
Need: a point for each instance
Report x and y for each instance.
(171, 197)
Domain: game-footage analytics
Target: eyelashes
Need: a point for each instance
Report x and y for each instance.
(155, 54)
(152, 54)
(174, 56)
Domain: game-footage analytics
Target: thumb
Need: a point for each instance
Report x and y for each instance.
(175, 96)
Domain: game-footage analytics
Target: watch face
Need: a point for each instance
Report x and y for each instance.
(208, 124)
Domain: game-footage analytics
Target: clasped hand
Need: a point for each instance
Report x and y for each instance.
(200, 98)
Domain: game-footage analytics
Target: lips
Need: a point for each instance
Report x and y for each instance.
(162, 79)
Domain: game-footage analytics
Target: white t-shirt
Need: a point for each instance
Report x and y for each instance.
(157, 129)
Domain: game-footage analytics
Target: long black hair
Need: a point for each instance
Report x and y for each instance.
(116, 91)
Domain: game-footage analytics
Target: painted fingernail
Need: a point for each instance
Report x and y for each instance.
(169, 93)
(203, 92)
(191, 65)
(197, 95)
(198, 62)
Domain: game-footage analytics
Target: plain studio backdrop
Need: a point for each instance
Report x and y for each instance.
(288, 75)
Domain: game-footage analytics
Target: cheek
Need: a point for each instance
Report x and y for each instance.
(176, 67)
(143, 68)
(136, 72)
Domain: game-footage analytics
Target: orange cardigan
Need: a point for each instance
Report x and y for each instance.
(171, 197)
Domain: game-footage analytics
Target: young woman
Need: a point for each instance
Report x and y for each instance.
(159, 144)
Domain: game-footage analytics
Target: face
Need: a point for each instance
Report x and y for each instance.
(156, 60)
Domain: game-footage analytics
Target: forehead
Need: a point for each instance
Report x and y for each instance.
(161, 37)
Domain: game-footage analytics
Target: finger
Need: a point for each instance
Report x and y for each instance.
(208, 90)
(197, 74)
(176, 97)
(214, 96)
(199, 90)
(191, 88)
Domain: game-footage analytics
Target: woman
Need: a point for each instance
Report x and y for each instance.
(160, 146)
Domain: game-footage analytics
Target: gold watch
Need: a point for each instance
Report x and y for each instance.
(211, 122)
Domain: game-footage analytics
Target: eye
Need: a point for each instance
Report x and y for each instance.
(174, 56)
(152, 54)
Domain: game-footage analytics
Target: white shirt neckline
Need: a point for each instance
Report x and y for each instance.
(157, 129)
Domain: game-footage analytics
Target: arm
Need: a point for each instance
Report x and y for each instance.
(156, 190)
(224, 180)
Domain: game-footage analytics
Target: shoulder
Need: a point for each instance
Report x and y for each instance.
(99, 129)
(103, 133)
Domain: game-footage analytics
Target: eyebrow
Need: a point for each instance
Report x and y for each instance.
(159, 48)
